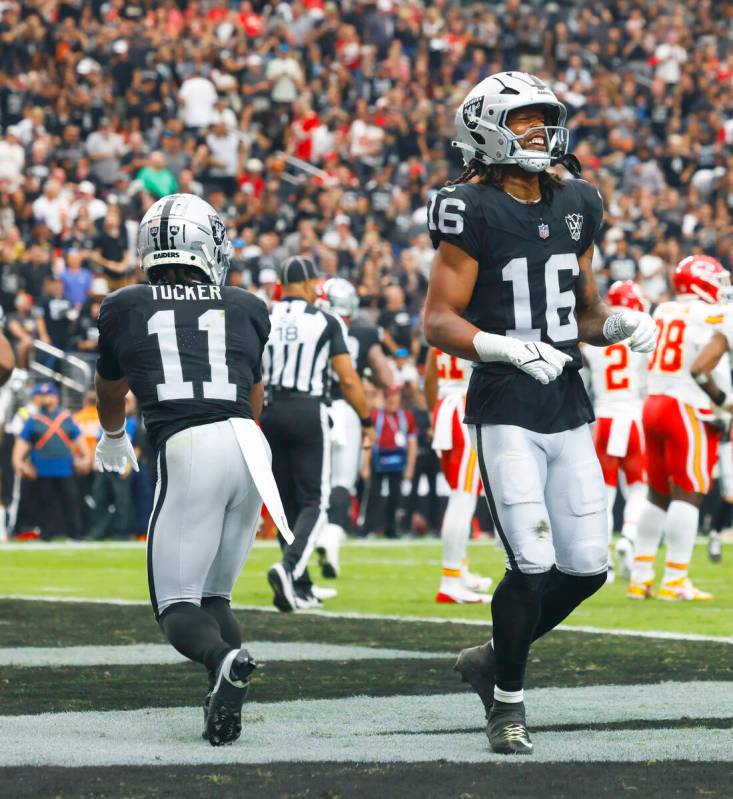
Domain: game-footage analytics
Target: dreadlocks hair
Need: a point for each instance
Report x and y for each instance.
(173, 275)
(492, 175)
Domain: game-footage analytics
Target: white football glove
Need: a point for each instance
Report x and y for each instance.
(537, 359)
(113, 454)
(639, 328)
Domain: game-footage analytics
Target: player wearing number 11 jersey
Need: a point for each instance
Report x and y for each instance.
(512, 289)
(680, 429)
(190, 348)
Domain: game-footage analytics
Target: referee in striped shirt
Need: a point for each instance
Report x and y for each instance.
(305, 344)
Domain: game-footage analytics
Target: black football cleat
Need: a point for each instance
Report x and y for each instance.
(281, 582)
(224, 716)
(507, 730)
(476, 667)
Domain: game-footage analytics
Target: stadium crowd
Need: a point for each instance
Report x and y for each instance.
(322, 129)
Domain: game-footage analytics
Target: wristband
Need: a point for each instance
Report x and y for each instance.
(613, 328)
(720, 399)
(701, 379)
(114, 433)
(367, 422)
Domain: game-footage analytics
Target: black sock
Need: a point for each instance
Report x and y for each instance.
(220, 609)
(561, 595)
(194, 633)
(515, 610)
(340, 507)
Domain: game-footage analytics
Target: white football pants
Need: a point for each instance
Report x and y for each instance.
(345, 445)
(547, 497)
(204, 517)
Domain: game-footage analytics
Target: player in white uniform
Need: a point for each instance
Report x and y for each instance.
(446, 383)
(618, 380)
(681, 431)
(341, 300)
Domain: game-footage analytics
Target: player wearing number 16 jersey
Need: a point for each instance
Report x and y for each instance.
(618, 380)
(680, 429)
(190, 350)
(512, 289)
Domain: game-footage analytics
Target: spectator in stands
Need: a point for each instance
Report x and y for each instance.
(111, 251)
(22, 328)
(105, 149)
(56, 449)
(57, 316)
(157, 180)
(76, 279)
(112, 513)
(392, 461)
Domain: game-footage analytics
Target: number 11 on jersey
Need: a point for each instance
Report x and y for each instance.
(212, 322)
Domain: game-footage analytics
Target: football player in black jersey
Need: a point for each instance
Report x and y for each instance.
(513, 290)
(362, 340)
(190, 348)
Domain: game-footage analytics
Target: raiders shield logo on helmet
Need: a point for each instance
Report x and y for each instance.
(218, 231)
(471, 109)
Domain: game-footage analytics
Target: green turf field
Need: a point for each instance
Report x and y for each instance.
(377, 577)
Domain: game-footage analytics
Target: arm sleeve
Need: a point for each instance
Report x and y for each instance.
(454, 216)
(336, 337)
(108, 365)
(261, 323)
(593, 213)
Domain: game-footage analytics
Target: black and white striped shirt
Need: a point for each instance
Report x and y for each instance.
(302, 341)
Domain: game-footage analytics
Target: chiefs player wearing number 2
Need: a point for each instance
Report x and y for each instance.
(446, 381)
(512, 289)
(190, 349)
(618, 380)
(680, 429)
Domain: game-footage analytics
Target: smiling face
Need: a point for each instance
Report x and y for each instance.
(521, 120)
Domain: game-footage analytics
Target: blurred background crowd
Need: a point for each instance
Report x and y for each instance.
(322, 128)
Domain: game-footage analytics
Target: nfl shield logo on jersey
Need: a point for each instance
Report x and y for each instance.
(543, 230)
(574, 223)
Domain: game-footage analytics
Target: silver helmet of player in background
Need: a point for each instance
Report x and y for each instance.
(340, 297)
(481, 122)
(183, 230)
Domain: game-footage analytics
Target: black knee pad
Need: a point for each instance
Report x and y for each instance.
(532, 584)
(340, 505)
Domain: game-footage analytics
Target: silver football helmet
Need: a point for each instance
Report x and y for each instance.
(481, 122)
(184, 230)
(340, 297)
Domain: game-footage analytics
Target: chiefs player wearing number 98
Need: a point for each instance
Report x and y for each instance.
(682, 428)
(512, 289)
(190, 349)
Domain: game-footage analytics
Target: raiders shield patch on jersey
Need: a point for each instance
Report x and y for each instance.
(472, 109)
(575, 224)
(218, 231)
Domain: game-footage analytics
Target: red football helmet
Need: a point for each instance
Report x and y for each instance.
(702, 276)
(627, 294)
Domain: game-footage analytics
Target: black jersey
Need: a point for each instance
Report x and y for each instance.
(527, 272)
(191, 354)
(359, 337)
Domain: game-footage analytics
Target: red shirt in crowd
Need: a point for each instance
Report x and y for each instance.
(393, 426)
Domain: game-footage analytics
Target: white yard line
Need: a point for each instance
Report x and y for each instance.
(618, 631)
(384, 729)
(139, 654)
